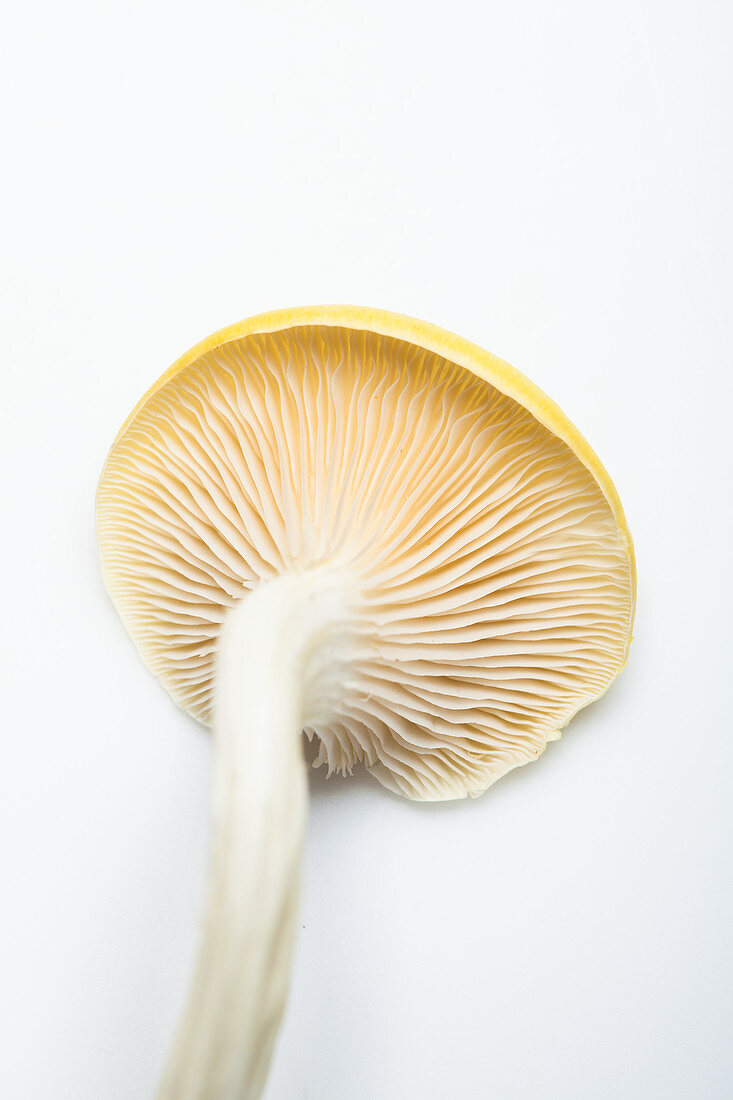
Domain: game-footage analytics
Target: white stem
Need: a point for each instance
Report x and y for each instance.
(264, 695)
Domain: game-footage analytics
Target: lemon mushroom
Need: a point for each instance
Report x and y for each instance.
(349, 523)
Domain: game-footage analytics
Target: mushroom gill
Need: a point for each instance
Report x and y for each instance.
(490, 582)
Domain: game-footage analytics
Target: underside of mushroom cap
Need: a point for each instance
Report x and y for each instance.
(493, 580)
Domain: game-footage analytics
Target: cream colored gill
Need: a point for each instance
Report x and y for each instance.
(492, 576)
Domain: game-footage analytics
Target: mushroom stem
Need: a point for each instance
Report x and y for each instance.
(267, 685)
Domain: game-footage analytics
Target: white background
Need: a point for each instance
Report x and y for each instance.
(551, 180)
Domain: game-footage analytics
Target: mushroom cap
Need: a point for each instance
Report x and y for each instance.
(494, 566)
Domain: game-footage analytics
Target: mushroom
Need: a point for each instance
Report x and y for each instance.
(356, 525)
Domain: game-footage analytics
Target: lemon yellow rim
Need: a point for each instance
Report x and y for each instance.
(483, 364)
